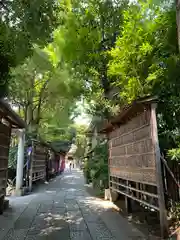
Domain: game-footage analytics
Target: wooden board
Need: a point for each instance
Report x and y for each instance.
(39, 162)
(5, 134)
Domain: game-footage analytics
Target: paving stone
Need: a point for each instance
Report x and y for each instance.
(59, 204)
(99, 231)
(40, 223)
(72, 207)
(82, 202)
(59, 223)
(36, 237)
(23, 223)
(25, 219)
(45, 208)
(74, 215)
(86, 210)
(59, 211)
(78, 225)
(15, 234)
(57, 233)
(38, 234)
(80, 235)
(70, 201)
(92, 218)
(34, 204)
(80, 193)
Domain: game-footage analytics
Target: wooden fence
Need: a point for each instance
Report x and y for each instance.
(171, 177)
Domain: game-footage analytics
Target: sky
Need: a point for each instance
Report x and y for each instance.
(83, 118)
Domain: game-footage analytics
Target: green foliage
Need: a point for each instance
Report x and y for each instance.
(174, 213)
(174, 154)
(45, 94)
(12, 160)
(22, 25)
(87, 170)
(80, 140)
(96, 167)
(146, 61)
(140, 57)
(89, 29)
(111, 52)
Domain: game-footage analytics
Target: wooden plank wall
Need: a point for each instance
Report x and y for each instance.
(132, 162)
(39, 156)
(131, 150)
(5, 135)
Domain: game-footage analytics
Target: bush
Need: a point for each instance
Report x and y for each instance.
(87, 171)
(96, 167)
(12, 161)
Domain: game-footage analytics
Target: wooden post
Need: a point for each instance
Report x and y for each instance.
(160, 189)
(128, 200)
(109, 157)
(20, 162)
(31, 168)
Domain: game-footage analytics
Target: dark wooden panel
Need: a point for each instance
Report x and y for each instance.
(5, 129)
(39, 162)
(4, 139)
(4, 151)
(5, 133)
(40, 150)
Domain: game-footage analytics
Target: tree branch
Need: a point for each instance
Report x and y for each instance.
(4, 5)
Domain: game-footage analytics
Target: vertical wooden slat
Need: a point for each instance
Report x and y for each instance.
(4, 150)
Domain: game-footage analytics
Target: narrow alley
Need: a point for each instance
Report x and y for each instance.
(64, 210)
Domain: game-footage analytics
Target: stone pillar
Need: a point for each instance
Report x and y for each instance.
(20, 162)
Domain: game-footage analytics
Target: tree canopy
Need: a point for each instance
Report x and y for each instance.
(105, 52)
(23, 24)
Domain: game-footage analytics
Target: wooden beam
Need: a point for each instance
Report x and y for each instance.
(136, 199)
(137, 190)
(160, 188)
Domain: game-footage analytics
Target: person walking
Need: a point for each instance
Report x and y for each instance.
(70, 164)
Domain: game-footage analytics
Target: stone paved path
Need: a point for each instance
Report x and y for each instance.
(63, 210)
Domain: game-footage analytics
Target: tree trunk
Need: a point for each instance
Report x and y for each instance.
(30, 106)
(178, 21)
